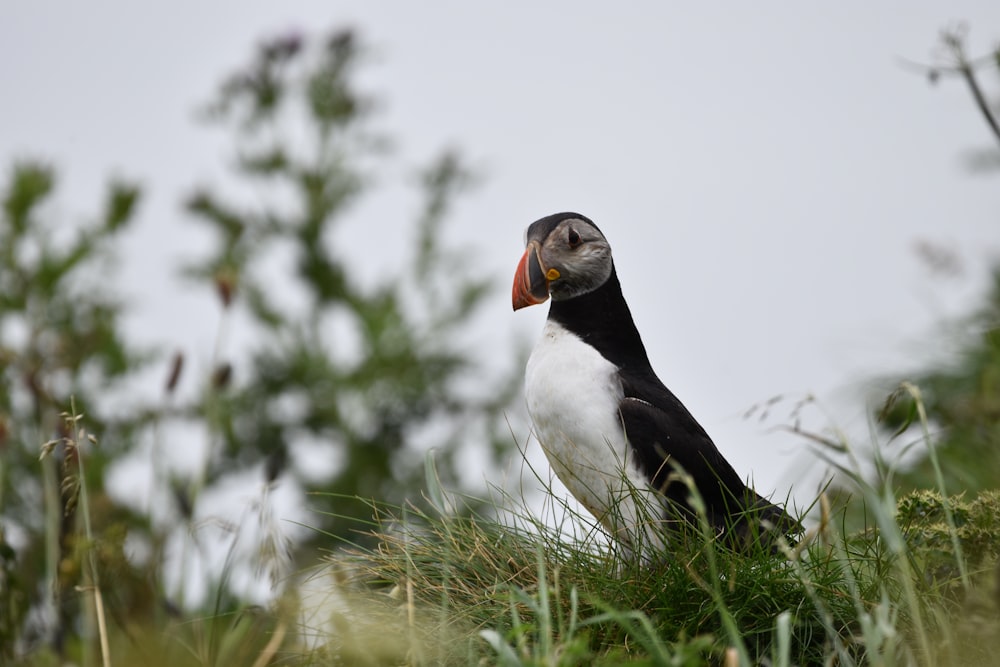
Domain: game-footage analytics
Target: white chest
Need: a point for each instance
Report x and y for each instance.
(573, 394)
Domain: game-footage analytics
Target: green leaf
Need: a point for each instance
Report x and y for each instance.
(31, 184)
(269, 162)
(122, 200)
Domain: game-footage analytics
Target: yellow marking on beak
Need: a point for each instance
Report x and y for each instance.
(552, 274)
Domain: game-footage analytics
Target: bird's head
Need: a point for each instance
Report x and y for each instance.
(566, 255)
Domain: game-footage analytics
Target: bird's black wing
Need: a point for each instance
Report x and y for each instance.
(664, 434)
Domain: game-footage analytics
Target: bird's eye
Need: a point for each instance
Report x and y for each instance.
(574, 238)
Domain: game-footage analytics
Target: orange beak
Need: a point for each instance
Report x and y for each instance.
(531, 286)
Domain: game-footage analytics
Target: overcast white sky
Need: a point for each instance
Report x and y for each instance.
(762, 171)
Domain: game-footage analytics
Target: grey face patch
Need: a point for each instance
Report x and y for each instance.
(580, 253)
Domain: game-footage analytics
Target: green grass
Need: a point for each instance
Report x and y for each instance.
(525, 593)
(915, 582)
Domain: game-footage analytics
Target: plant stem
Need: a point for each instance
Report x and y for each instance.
(102, 627)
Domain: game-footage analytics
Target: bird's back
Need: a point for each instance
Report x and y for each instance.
(662, 434)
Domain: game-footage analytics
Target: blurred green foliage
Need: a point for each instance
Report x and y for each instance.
(365, 406)
(962, 400)
(60, 335)
(304, 155)
(962, 396)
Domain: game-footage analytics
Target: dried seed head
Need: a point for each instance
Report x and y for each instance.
(225, 285)
(47, 448)
(276, 463)
(222, 375)
(182, 500)
(175, 372)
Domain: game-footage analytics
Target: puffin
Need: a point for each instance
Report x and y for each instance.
(615, 436)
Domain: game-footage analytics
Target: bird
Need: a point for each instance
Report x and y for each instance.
(614, 434)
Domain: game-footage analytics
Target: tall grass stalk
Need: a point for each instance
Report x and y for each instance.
(95, 581)
(879, 499)
(956, 543)
(714, 587)
(76, 435)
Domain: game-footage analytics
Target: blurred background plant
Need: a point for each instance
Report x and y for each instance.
(60, 336)
(962, 393)
(355, 372)
(330, 384)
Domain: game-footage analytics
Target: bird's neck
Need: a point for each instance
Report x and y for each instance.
(602, 319)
